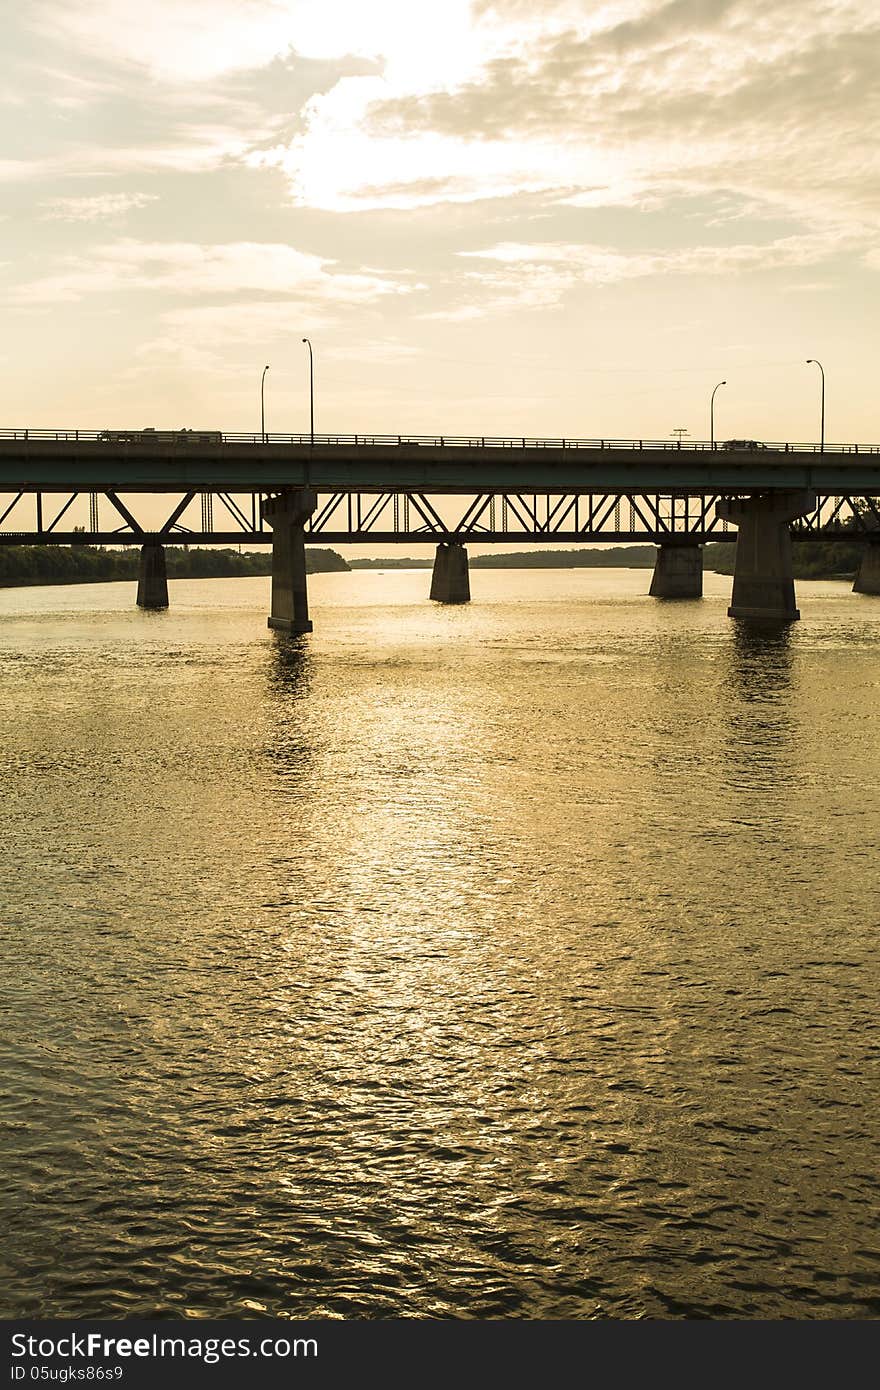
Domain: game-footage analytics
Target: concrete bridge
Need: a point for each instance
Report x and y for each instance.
(285, 490)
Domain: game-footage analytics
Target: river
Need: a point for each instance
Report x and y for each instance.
(510, 960)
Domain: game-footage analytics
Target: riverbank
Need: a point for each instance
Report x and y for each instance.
(607, 557)
(89, 564)
(811, 559)
(85, 564)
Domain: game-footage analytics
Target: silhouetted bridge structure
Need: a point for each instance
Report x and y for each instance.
(75, 486)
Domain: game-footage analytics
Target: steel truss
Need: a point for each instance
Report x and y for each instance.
(394, 517)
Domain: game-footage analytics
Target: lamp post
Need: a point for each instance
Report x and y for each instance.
(263, 402)
(816, 363)
(311, 391)
(712, 415)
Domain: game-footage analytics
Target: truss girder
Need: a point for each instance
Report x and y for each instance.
(31, 517)
(121, 508)
(169, 525)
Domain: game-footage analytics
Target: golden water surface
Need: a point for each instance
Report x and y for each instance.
(516, 960)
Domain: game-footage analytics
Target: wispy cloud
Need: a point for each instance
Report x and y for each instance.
(521, 276)
(188, 268)
(99, 207)
(202, 84)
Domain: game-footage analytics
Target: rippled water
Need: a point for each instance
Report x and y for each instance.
(517, 960)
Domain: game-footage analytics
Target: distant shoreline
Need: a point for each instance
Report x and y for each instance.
(39, 566)
(615, 557)
(812, 559)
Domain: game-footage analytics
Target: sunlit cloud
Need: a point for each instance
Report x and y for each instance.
(193, 269)
(496, 98)
(197, 40)
(708, 91)
(398, 172)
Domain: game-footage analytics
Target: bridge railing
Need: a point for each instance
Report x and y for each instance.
(186, 439)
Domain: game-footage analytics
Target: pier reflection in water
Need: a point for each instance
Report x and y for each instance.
(511, 961)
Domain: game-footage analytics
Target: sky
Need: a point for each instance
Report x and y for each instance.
(489, 216)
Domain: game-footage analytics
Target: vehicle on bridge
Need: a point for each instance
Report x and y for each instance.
(743, 444)
(118, 436)
(150, 435)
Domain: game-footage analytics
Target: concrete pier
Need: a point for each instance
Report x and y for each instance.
(287, 514)
(450, 581)
(763, 579)
(867, 580)
(678, 572)
(152, 578)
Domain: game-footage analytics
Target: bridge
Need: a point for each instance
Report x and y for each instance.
(286, 490)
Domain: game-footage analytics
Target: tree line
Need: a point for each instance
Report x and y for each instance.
(810, 559)
(78, 564)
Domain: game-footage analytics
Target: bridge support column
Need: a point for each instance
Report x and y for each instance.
(450, 581)
(287, 514)
(867, 580)
(763, 579)
(152, 577)
(678, 572)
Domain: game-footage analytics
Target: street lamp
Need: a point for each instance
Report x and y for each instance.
(263, 403)
(816, 363)
(311, 390)
(712, 415)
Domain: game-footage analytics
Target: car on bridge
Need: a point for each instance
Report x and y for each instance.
(743, 445)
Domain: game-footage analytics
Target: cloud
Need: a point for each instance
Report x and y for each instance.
(217, 338)
(399, 106)
(21, 170)
(99, 207)
(198, 86)
(532, 276)
(672, 65)
(703, 93)
(180, 40)
(201, 40)
(187, 268)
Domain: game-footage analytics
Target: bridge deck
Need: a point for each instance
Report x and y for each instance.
(138, 462)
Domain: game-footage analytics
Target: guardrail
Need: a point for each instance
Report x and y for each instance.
(187, 438)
